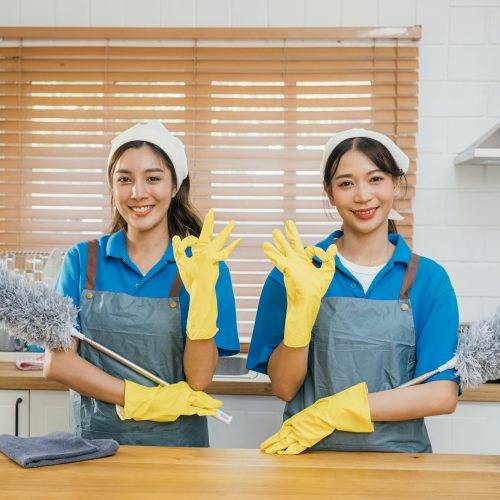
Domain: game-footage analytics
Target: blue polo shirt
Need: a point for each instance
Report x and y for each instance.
(117, 273)
(433, 301)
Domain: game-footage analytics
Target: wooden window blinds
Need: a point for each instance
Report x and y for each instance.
(253, 116)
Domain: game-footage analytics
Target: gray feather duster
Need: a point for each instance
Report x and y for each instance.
(478, 352)
(34, 313)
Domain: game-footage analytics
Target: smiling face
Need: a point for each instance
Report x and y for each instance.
(362, 193)
(142, 190)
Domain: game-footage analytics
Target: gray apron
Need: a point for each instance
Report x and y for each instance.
(360, 340)
(148, 332)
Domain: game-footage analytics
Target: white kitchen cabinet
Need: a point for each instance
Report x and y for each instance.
(255, 418)
(474, 428)
(49, 412)
(15, 412)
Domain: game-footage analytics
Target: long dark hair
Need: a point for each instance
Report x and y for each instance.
(374, 151)
(182, 218)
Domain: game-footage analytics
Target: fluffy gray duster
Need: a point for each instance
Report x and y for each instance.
(478, 352)
(34, 313)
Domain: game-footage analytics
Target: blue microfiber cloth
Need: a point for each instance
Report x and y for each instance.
(54, 448)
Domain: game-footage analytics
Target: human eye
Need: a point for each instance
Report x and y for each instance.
(345, 184)
(154, 178)
(123, 179)
(377, 178)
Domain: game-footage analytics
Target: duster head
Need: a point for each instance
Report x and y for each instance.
(34, 313)
(478, 352)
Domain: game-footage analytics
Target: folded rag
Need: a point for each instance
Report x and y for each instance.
(54, 448)
(31, 363)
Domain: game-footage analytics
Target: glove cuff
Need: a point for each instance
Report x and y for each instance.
(351, 409)
(202, 316)
(299, 322)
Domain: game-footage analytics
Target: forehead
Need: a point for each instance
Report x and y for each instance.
(140, 159)
(354, 163)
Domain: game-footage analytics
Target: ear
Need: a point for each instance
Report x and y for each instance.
(174, 191)
(397, 185)
(329, 194)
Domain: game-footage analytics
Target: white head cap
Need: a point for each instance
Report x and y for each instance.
(155, 133)
(402, 161)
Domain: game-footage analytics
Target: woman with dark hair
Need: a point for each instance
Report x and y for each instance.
(342, 325)
(155, 290)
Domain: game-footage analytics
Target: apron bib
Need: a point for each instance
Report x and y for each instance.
(361, 340)
(148, 332)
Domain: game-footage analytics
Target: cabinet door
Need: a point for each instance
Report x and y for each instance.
(255, 418)
(473, 429)
(14, 409)
(49, 412)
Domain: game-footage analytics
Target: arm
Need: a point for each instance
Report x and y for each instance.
(433, 398)
(287, 370)
(202, 277)
(68, 368)
(200, 362)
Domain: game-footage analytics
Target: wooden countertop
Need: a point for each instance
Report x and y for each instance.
(12, 378)
(195, 473)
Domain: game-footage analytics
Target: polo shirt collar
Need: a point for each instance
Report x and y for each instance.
(116, 247)
(402, 253)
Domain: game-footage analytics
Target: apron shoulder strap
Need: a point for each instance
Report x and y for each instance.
(409, 278)
(91, 271)
(176, 286)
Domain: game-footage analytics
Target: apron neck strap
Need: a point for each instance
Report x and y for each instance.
(91, 271)
(91, 265)
(176, 286)
(409, 278)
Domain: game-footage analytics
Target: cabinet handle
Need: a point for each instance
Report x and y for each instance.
(18, 402)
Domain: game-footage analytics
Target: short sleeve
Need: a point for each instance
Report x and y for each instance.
(68, 282)
(437, 335)
(269, 324)
(226, 338)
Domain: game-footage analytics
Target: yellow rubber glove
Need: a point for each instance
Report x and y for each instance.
(304, 282)
(347, 410)
(200, 272)
(164, 403)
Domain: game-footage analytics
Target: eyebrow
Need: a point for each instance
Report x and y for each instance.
(371, 172)
(149, 170)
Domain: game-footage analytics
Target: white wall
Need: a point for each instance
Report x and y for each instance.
(457, 209)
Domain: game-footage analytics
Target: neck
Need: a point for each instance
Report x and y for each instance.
(146, 249)
(371, 249)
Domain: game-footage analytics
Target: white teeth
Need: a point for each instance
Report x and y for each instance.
(141, 209)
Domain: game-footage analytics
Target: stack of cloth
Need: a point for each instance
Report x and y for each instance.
(55, 448)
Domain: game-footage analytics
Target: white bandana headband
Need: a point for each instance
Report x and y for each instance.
(155, 133)
(402, 161)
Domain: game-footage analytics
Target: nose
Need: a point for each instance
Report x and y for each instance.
(362, 192)
(138, 190)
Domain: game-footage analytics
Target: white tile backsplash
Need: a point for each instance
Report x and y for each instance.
(396, 13)
(359, 13)
(468, 25)
(107, 13)
(38, 12)
(252, 14)
(72, 13)
(213, 13)
(283, 13)
(143, 14)
(322, 13)
(178, 14)
(10, 12)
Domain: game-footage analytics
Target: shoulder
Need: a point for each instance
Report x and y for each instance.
(432, 276)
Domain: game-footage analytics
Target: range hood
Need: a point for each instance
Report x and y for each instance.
(485, 151)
